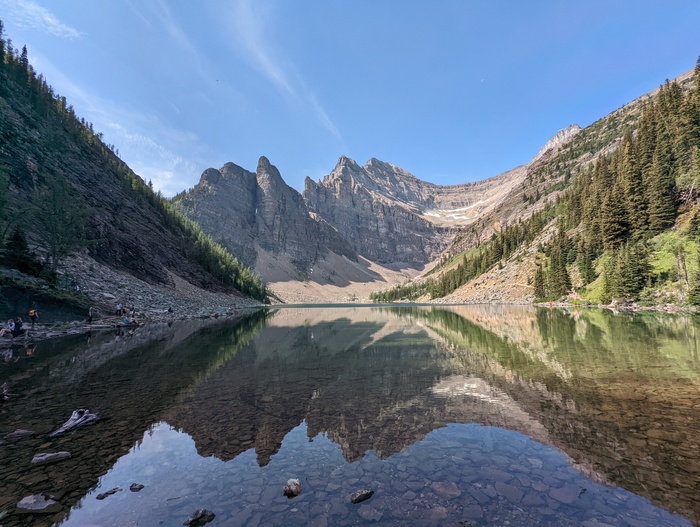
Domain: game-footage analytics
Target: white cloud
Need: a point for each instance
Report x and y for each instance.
(28, 15)
(323, 116)
(149, 146)
(251, 31)
(248, 30)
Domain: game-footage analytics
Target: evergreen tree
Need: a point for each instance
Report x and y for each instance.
(633, 187)
(694, 293)
(614, 225)
(661, 190)
(539, 283)
(18, 256)
(586, 257)
(2, 46)
(24, 59)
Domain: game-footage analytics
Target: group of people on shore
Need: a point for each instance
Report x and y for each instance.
(16, 326)
(129, 315)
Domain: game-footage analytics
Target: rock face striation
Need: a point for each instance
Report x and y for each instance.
(255, 214)
(391, 217)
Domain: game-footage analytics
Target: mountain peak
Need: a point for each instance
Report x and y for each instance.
(561, 137)
(344, 161)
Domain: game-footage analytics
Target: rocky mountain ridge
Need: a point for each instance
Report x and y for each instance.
(256, 213)
(359, 225)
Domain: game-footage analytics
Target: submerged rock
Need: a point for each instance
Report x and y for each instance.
(200, 517)
(77, 419)
(292, 488)
(20, 432)
(361, 495)
(37, 504)
(49, 457)
(108, 493)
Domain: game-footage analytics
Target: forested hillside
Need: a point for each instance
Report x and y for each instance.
(62, 189)
(614, 212)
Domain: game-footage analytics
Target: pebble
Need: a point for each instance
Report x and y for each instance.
(37, 504)
(361, 495)
(108, 493)
(49, 457)
(200, 517)
(292, 488)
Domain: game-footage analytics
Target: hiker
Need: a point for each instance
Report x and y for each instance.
(9, 327)
(90, 315)
(119, 310)
(18, 328)
(33, 315)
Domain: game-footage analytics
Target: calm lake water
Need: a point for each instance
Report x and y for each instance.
(461, 415)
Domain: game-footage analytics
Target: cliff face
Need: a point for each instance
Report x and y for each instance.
(390, 216)
(257, 213)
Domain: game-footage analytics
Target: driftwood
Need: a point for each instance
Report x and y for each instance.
(77, 419)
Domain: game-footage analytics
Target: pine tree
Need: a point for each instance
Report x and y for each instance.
(539, 283)
(614, 224)
(18, 256)
(694, 293)
(24, 58)
(661, 190)
(633, 187)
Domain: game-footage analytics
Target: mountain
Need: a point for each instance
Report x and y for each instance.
(597, 215)
(391, 217)
(359, 229)
(258, 214)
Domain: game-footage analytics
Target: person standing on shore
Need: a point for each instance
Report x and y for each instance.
(33, 315)
(90, 315)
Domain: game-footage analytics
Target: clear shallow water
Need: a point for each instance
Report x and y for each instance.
(453, 416)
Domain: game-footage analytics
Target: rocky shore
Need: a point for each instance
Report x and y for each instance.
(95, 286)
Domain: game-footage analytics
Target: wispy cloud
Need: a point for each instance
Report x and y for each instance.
(148, 145)
(169, 171)
(28, 15)
(323, 116)
(251, 31)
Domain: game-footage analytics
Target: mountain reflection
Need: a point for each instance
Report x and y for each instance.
(366, 378)
(618, 394)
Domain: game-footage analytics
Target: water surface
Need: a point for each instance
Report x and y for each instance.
(461, 415)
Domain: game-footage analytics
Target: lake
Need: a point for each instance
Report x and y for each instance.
(451, 415)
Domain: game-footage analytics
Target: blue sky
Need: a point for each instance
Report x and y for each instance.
(452, 91)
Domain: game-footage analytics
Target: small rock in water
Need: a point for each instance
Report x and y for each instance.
(108, 493)
(135, 487)
(361, 495)
(292, 488)
(49, 457)
(37, 504)
(19, 433)
(200, 517)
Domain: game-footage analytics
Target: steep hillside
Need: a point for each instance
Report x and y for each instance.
(65, 190)
(612, 214)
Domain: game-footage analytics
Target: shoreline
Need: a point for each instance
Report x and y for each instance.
(42, 332)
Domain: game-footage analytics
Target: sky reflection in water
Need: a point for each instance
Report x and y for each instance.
(454, 416)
